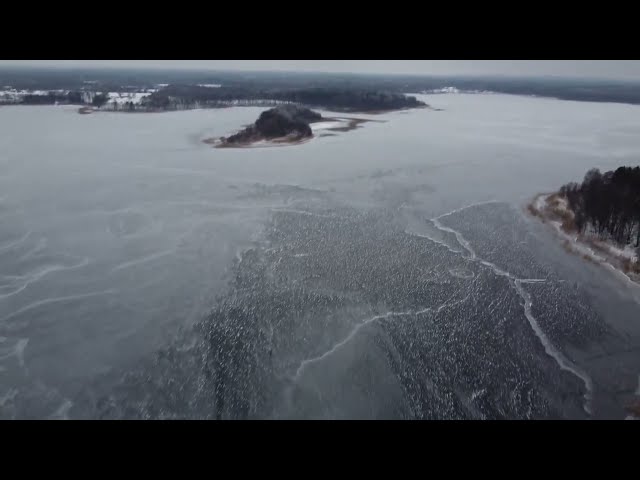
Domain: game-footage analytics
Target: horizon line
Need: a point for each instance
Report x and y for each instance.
(157, 68)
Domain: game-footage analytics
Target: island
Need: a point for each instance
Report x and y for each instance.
(598, 218)
(283, 125)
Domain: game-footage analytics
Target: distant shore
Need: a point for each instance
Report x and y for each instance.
(86, 109)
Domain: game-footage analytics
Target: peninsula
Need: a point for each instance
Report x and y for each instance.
(599, 218)
(282, 125)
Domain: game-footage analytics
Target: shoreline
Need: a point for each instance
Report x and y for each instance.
(260, 143)
(92, 109)
(552, 209)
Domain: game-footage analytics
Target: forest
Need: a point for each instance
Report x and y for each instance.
(117, 80)
(607, 204)
(355, 92)
(334, 98)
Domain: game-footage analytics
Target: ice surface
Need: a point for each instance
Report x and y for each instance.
(342, 267)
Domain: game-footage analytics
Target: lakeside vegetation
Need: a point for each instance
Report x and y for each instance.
(598, 218)
(176, 97)
(607, 204)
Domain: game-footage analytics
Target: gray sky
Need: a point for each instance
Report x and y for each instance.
(627, 69)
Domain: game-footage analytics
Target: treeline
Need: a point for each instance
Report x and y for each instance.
(72, 98)
(607, 203)
(344, 99)
(183, 97)
(50, 98)
(114, 80)
(188, 96)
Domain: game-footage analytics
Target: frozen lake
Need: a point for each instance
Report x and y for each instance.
(386, 272)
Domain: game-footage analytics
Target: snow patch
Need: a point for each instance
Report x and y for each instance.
(328, 125)
(121, 98)
(453, 90)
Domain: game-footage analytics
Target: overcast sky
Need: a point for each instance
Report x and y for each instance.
(627, 69)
